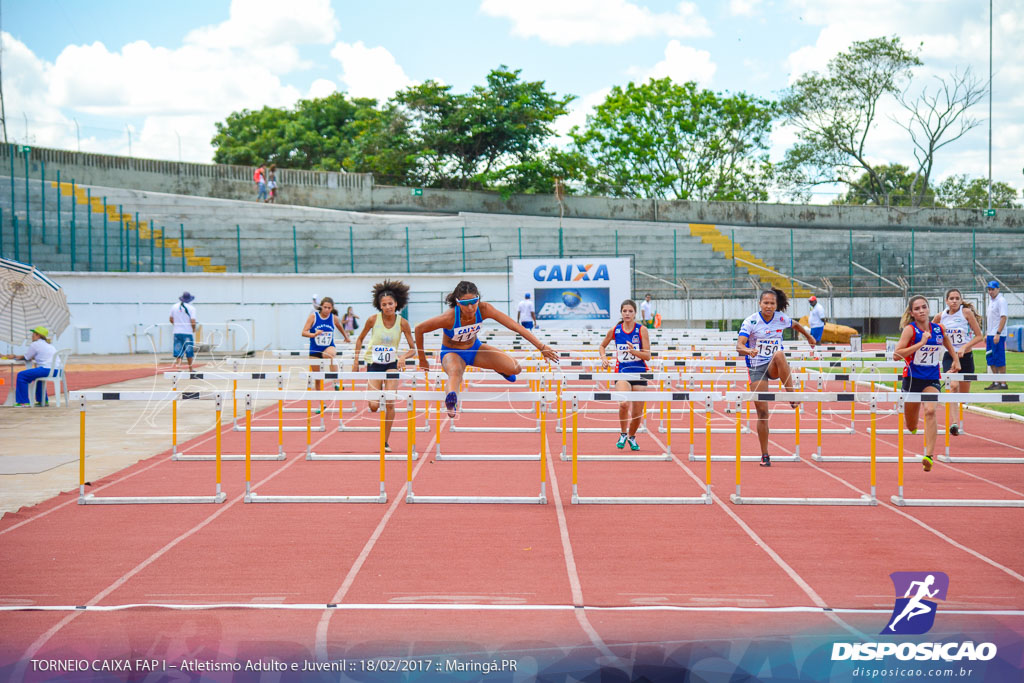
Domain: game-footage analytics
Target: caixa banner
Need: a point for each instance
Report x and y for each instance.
(572, 292)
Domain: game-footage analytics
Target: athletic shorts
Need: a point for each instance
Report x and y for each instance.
(995, 354)
(816, 332)
(637, 382)
(966, 363)
(184, 345)
(528, 324)
(758, 372)
(915, 385)
(382, 367)
(467, 355)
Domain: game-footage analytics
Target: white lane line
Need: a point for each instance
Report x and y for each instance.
(350, 577)
(34, 648)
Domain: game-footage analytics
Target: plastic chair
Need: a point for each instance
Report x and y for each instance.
(60, 380)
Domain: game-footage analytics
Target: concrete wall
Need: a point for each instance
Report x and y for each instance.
(357, 192)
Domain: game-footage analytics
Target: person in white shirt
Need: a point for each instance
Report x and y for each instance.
(183, 317)
(959, 321)
(647, 312)
(44, 354)
(816, 319)
(995, 342)
(760, 342)
(525, 315)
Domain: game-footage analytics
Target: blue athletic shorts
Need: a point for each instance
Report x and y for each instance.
(184, 345)
(467, 355)
(995, 354)
(816, 332)
(528, 324)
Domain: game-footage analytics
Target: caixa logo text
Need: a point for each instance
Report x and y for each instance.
(922, 652)
(571, 272)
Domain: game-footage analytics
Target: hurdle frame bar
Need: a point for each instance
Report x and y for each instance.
(280, 428)
(439, 455)
(541, 499)
(92, 499)
(901, 500)
(253, 497)
(411, 430)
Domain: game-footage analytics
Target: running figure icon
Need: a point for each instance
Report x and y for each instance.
(915, 606)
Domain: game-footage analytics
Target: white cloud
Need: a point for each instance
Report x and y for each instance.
(370, 71)
(743, 8)
(595, 21)
(320, 88)
(577, 116)
(683, 63)
(257, 24)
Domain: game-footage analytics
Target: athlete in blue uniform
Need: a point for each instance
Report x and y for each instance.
(319, 328)
(920, 346)
(632, 351)
(460, 346)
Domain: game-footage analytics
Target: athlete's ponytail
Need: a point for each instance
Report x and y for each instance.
(963, 304)
(781, 300)
(462, 289)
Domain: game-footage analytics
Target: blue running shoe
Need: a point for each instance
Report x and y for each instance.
(633, 445)
(510, 378)
(451, 402)
(621, 443)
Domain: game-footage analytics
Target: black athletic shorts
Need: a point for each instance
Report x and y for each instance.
(966, 363)
(916, 385)
(382, 367)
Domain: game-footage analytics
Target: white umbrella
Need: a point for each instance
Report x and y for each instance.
(29, 299)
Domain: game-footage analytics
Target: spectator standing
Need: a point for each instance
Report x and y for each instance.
(350, 321)
(183, 317)
(647, 312)
(525, 315)
(816, 319)
(272, 184)
(995, 342)
(43, 353)
(260, 178)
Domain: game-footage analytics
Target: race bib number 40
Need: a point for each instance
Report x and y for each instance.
(928, 355)
(384, 355)
(324, 338)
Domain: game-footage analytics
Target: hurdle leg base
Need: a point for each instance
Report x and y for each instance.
(736, 499)
(90, 499)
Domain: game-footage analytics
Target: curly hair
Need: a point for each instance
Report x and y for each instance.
(462, 289)
(781, 300)
(396, 289)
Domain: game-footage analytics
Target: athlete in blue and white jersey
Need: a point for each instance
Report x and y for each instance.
(760, 343)
(920, 346)
(319, 328)
(632, 351)
(460, 346)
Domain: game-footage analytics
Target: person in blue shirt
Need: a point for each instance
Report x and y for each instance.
(920, 347)
(632, 351)
(460, 346)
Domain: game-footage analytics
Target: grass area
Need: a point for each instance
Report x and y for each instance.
(1014, 366)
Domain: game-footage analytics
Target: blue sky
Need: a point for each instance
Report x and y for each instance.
(165, 72)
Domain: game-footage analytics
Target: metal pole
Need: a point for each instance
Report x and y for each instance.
(88, 217)
(12, 148)
(74, 220)
(792, 266)
(407, 268)
(123, 261)
(163, 251)
(28, 217)
(911, 259)
(732, 238)
(181, 226)
(1, 231)
(675, 262)
(463, 249)
(616, 243)
(138, 260)
(561, 245)
(152, 246)
(105, 264)
(42, 187)
(59, 193)
(520, 242)
(17, 248)
(351, 251)
(295, 249)
(238, 245)
(851, 262)
(990, 104)
(974, 256)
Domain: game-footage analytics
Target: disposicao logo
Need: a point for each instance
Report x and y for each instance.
(913, 614)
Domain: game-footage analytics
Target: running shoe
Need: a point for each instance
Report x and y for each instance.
(633, 445)
(954, 429)
(510, 378)
(621, 443)
(993, 387)
(387, 448)
(926, 462)
(451, 403)
(766, 460)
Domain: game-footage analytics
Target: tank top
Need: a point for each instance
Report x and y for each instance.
(324, 329)
(957, 327)
(382, 347)
(927, 361)
(624, 360)
(464, 332)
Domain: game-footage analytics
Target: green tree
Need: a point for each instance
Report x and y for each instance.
(467, 140)
(961, 192)
(834, 112)
(675, 141)
(898, 188)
